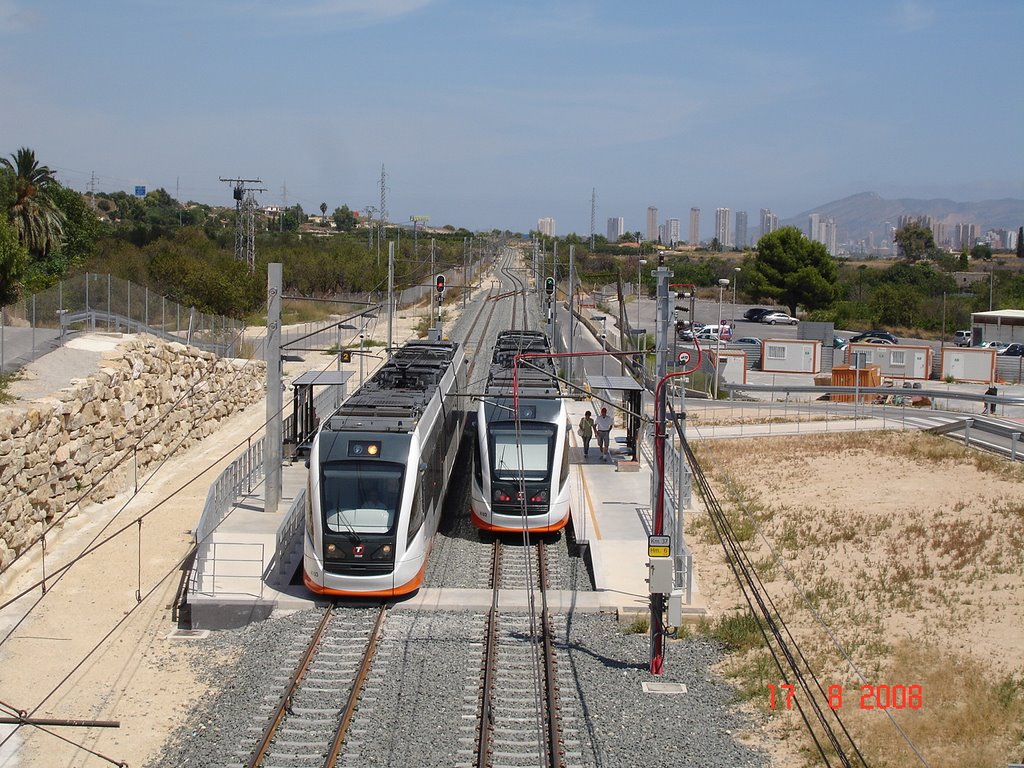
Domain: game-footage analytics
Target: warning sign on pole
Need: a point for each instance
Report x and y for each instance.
(684, 357)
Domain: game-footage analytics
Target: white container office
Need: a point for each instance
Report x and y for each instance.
(734, 366)
(791, 356)
(897, 361)
(969, 364)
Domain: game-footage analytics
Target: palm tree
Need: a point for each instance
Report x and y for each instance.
(36, 219)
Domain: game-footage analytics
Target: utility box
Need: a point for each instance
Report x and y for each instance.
(791, 356)
(969, 364)
(897, 361)
(662, 575)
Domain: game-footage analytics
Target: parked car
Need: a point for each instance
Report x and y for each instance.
(747, 340)
(773, 318)
(755, 314)
(876, 340)
(709, 333)
(1013, 350)
(838, 342)
(998, 346)
(963, 338)
(863, 337)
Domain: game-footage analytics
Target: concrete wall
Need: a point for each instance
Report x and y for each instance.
(59, 449)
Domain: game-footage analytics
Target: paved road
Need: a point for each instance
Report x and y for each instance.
(20, 346)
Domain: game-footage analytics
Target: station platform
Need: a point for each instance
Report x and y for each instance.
(247, 579)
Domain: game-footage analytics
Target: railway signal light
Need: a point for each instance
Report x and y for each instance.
(440, 284)
(549, 286)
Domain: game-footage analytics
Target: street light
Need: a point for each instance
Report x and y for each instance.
(722, 283)
(639, 265)
(735, 283)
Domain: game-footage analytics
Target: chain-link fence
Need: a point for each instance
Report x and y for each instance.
(39, 323)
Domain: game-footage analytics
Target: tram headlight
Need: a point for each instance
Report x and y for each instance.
(500, 494)
(332, 548)
(539, 497)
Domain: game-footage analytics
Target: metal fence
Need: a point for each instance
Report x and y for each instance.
(40, 323)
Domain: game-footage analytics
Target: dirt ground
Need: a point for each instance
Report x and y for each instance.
(901, 549)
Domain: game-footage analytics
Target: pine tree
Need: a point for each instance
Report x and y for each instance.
(1020, 243)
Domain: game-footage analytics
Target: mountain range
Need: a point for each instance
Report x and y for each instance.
(860, 215)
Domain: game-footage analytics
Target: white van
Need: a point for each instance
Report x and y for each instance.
(963, 338)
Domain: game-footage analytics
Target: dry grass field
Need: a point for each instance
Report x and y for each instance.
(910, 548)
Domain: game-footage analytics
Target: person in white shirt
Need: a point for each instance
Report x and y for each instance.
(604, 422)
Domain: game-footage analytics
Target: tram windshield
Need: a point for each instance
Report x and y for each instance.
(528, 457)
(360, 497)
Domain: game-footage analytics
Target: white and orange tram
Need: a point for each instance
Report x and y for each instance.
(378, 469)
(521, 455)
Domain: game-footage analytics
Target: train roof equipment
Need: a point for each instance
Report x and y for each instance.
(394, 398)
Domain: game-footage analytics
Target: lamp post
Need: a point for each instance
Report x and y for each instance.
(735, 282)
(722, 283)
(639, 265)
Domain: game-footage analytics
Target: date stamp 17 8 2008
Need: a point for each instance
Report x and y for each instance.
(870, 696)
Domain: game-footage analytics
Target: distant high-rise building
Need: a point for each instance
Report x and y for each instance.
(823, 231)
(616, 228)
(546, 226)
(769, 221)
(671, 235)
(722, 231)
(966, 236)
(652, 223)
(741, 229)
(695, 226)
(813, 224)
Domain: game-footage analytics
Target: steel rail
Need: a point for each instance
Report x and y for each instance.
(490, 654)
(554, 733)
(293, 685)
(357, 689)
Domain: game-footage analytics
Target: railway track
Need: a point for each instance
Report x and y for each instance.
(310, 720)
(520, 722)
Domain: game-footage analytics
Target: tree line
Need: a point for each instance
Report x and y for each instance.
(186, 251)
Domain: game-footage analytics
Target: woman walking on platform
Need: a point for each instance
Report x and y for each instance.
(586, 428)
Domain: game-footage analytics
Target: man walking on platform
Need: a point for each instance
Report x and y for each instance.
(604, 427)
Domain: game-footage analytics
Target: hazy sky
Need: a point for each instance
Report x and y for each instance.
(491, 113)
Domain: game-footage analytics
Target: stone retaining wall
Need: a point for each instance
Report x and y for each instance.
(60, 448)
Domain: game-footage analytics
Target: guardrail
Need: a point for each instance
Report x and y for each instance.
(932, 394)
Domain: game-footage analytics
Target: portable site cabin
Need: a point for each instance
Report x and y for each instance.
(898, 361)
(969, 364)
(734, 366)
(791, 356)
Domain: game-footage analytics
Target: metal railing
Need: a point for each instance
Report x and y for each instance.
(289, 529)
(205, 582)
(240, 477)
